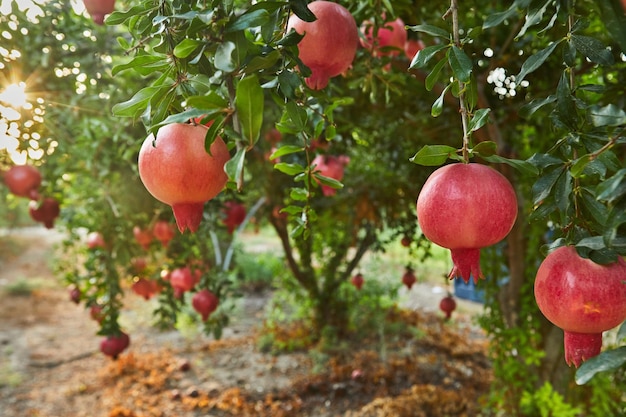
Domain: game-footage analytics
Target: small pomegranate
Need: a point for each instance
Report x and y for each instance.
(143, 237)
(391, 35)
(163, 232)
(412, 47)
(329, 43)
(113, 345)
(96, 312)
(138, 265)
(145, 288)
(408, 278)
(406, 241)
(205, 303)
(357, 281)
(235, 215)
(447, 305)
(581, 297)
(465, 207)
(95, 240)
(183, 279)
(332, 167)
(75, 294)
(97, 9)
(45, 212)
(177, 170)
(23, 181)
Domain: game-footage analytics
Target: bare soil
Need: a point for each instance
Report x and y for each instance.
(50, 364)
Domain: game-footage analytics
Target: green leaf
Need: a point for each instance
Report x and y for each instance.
(138, 103)
(609, 189)
(297, 115)
(621, 333)
(224, 57)
(460, 63)
(563, 191)
(208, 102)
(437, 107)
(486, 148)
(299, 194)
(592, 242)
(431, 30)
(593, 208)
(524, 167)
(141, 61)
(212, 132)
(614, 20)
(234, 167)
(263, 62)
(286, 150)
(299, 7)
(606, 361)
(329, 182)
(593, 49)
(480, 118)
(249, 103)
(542, 188)
(433, 76)
(119, 17)
(579, 165)
(289, 168)
(529, 109)
(433, 155)
(535, 61)
(250, 19)
(423, 56)
(609, 115)
(186, 47)
(494, 19)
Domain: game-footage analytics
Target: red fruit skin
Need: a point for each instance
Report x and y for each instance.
(163, 232)
(391, 34)
(75, 295)
(143, 237)
(465, 207)
(95, 240)
(412, 47)
(357, 281)
(176, 169)
(235, 215)
(98, 9)
(582, 298)
(447, 305)
(408, 278)
(406, 241)
(23, 181)
(332, 167)
(145, 288)
(205, 303)
(96, 313)
(329, 43)
(183, 280)
(113, 345)
(45, 212)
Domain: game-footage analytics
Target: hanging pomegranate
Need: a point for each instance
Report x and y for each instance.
(235, 214)
(357, 281)
(143, 237)
(330, 166)
(447, 305)
(163, 231)
(582, 298)
(205, 303)
(113, 345)
(98, 9)
(177, 170)
(45, 211)
(329, 43)
(408, 278)
(465, 207)
(390, 38)
(23, 181)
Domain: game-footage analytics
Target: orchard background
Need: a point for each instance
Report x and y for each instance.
(535, 89)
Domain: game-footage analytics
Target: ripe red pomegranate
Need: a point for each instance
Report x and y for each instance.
(143, 237)
(138, 265)
(408, 278)
(183, 279)
(205, 303)
(412, 47)
(113, 345)
(163, 231)
(75, 295)
(235, 215)
(96, 312)
(329, 43)
(581, 297)
(45, 211)
(332, 167)
(390, 35)
(465, 207)
(447, 305)
(406, 241)
(357, 281)
(176, 169)
(98, 9)
(23, 181)
(145, 288)
(95, 240)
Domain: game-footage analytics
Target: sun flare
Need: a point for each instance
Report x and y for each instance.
(14, 95)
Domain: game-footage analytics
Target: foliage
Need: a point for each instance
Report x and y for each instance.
(546, 402)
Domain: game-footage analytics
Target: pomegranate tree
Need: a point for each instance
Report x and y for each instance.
(23, 181)
(447, 305)
(357, 281)
(205, 303)
(97, 9)
(115, 344)
(465, 207)
(329, 43)
(408, 278)
(177, 170)
(45, 211)
(330, 166)
(581, 297)
(390, 38)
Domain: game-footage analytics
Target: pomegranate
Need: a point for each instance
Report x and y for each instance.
(145, 288)
(95, 240)
(581, 297)
(412, 47)
(447, 305)
(465, 207)
(45, 212)
(96, 312)
(329, 43)
(392, 36)
(143, 237)
(408, 278)
(138, 265)
(235, 215)
(406, 241)
(176, 169)
(205, 303)
(113, 345)
(357, 281)
(332, 167)
(183, 279)
(75, 295)
(23, 181)
(163, 232)
(98, 9)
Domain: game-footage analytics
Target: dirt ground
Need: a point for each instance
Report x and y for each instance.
(50, 364)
